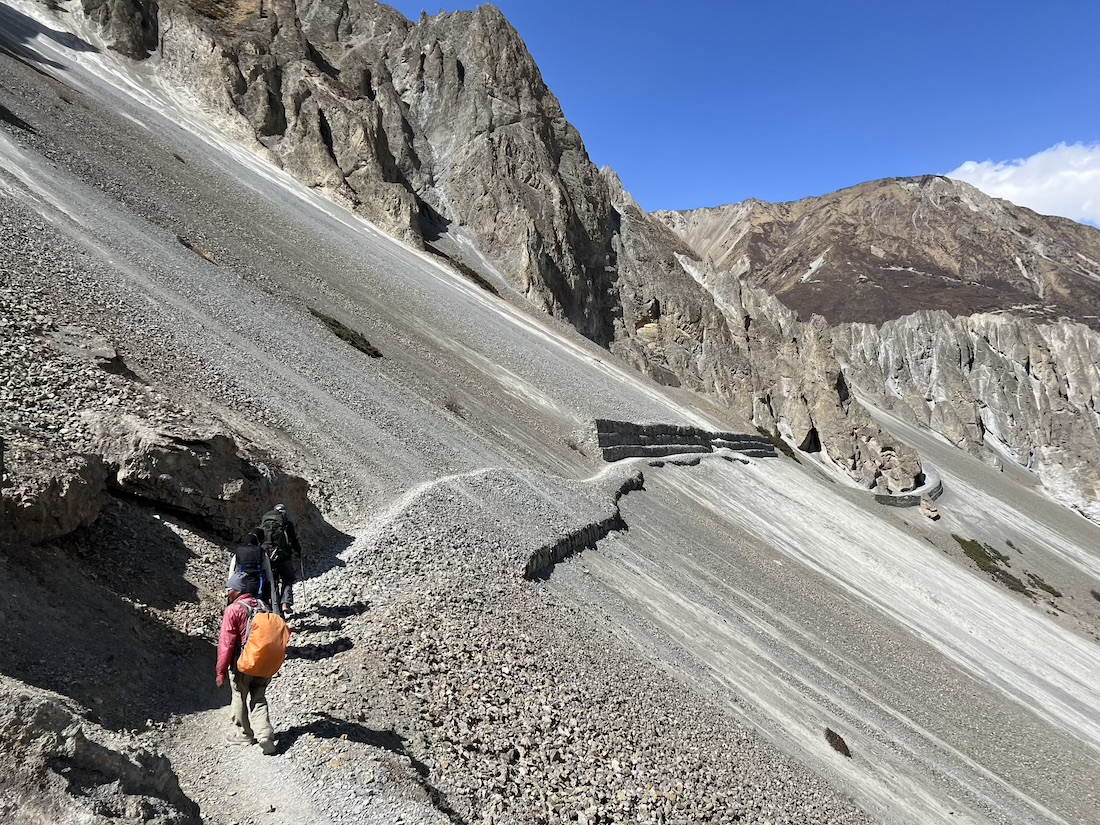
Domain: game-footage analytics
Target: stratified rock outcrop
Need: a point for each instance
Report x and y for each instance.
(420, 128)
(685, 324)
(56, 766)
(798, 388)
(50, 495)
(915, 263)
(199, 473)
(993, 385)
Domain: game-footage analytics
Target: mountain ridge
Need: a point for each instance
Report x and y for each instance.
(886, 248)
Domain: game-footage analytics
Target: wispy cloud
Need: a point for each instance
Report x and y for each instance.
(1062, 180)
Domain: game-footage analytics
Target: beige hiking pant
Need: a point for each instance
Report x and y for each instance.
(250, 705)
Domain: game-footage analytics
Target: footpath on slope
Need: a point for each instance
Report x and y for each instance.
(429, 678)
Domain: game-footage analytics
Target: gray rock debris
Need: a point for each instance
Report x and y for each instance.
(520, 707)
(73, 433)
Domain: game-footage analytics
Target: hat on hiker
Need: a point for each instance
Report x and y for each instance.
(281, 508)
(239, 581)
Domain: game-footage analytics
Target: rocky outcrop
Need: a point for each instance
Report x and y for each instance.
(50, 495)
(995, 385)
(56, 766)
(686, 324)
(889, 248)
(78, 427)
(421, 128)
(128, 26)
(200, 474)
(998, 385)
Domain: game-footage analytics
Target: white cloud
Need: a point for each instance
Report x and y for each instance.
(1062, 180)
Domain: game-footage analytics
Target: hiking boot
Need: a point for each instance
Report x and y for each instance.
(287, 610)
(238, 738)
(267, 746)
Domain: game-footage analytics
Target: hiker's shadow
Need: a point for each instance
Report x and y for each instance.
(138, 554)
(322, 543)
(327, 726)
(315, 653)
(342, 611)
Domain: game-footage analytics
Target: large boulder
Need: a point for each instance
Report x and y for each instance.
(47, 495)
(202, 474)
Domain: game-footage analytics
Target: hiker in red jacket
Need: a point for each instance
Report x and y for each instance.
(250, 713)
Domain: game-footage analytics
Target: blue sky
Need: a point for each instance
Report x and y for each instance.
(699, 102)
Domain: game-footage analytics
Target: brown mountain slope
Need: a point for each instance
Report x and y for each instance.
(887, 248)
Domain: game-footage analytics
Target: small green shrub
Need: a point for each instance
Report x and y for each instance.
(1042, 585)
(989, 561)
(347, 334)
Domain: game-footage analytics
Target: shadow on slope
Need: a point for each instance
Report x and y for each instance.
(64, 630)
(122, 616)
(327, 726)
(17, 31)
(12, 119)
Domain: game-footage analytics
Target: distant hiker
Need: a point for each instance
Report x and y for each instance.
(252, 560)
(251, 649)
(286, 553)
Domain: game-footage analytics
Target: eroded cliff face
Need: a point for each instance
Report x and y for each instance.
(993, 385)
(421, 128)
(792, 383)
(906, 269)
(445, 127)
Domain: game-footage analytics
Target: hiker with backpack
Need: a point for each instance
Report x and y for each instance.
(252, 559)
(286, 553)
(251, 649)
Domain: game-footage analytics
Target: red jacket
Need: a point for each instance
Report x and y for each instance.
(234, 626)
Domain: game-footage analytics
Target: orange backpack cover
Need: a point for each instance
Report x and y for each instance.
(265, 644)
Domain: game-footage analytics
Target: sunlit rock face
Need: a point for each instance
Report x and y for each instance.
(888, 248)
(995, 385)
(967, 314)
(445, 129)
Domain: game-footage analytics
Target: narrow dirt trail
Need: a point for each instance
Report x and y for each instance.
(239, 782)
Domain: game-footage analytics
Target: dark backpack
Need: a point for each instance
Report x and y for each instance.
(250, 562)
(274, 527)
